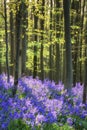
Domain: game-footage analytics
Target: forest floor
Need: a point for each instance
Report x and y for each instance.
(41, 106)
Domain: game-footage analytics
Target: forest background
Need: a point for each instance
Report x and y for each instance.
(44, 38)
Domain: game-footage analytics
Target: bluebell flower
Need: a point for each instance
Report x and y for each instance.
(70, 121)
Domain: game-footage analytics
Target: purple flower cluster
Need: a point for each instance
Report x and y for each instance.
(37, 103)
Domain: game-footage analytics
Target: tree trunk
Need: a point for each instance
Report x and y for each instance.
(57, 44)
(42, 38)
(85, 82)
(18, 51)
(69, 74)
(12, 45)
(25, 36)
(35, 45)
(51, 47)
(6, 40)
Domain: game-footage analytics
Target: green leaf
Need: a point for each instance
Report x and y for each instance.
(84, 124)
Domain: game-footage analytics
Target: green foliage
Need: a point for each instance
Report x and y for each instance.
(18, 125)
(80, 124)
(21, 95)
(51, 35)
(51, 127)
(75, 27)
(56, 127)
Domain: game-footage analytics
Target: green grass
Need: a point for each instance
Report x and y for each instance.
(20, 125)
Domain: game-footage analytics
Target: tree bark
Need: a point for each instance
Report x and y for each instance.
(50, 47)
(18, 51)
(69, 74)
(35, 45)
(6, 40)
(25, 36)
(85, 81)
(42, 38)
(57, 44)
(12, 44)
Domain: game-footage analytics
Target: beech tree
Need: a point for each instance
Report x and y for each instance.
(6, 40)
(42, 38)
(35, 42)
(69, 74)
(21, 42)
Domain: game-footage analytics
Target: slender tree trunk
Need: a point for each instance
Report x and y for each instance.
(69, 74)
(51, 62)
(35, 46)
(81, 37)
(57, 44)
(18, 51)
(50, 47)
(25, 36)
(6, 40)
(75, 5)
(42, 38)
(12, 45)
(85, 81)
